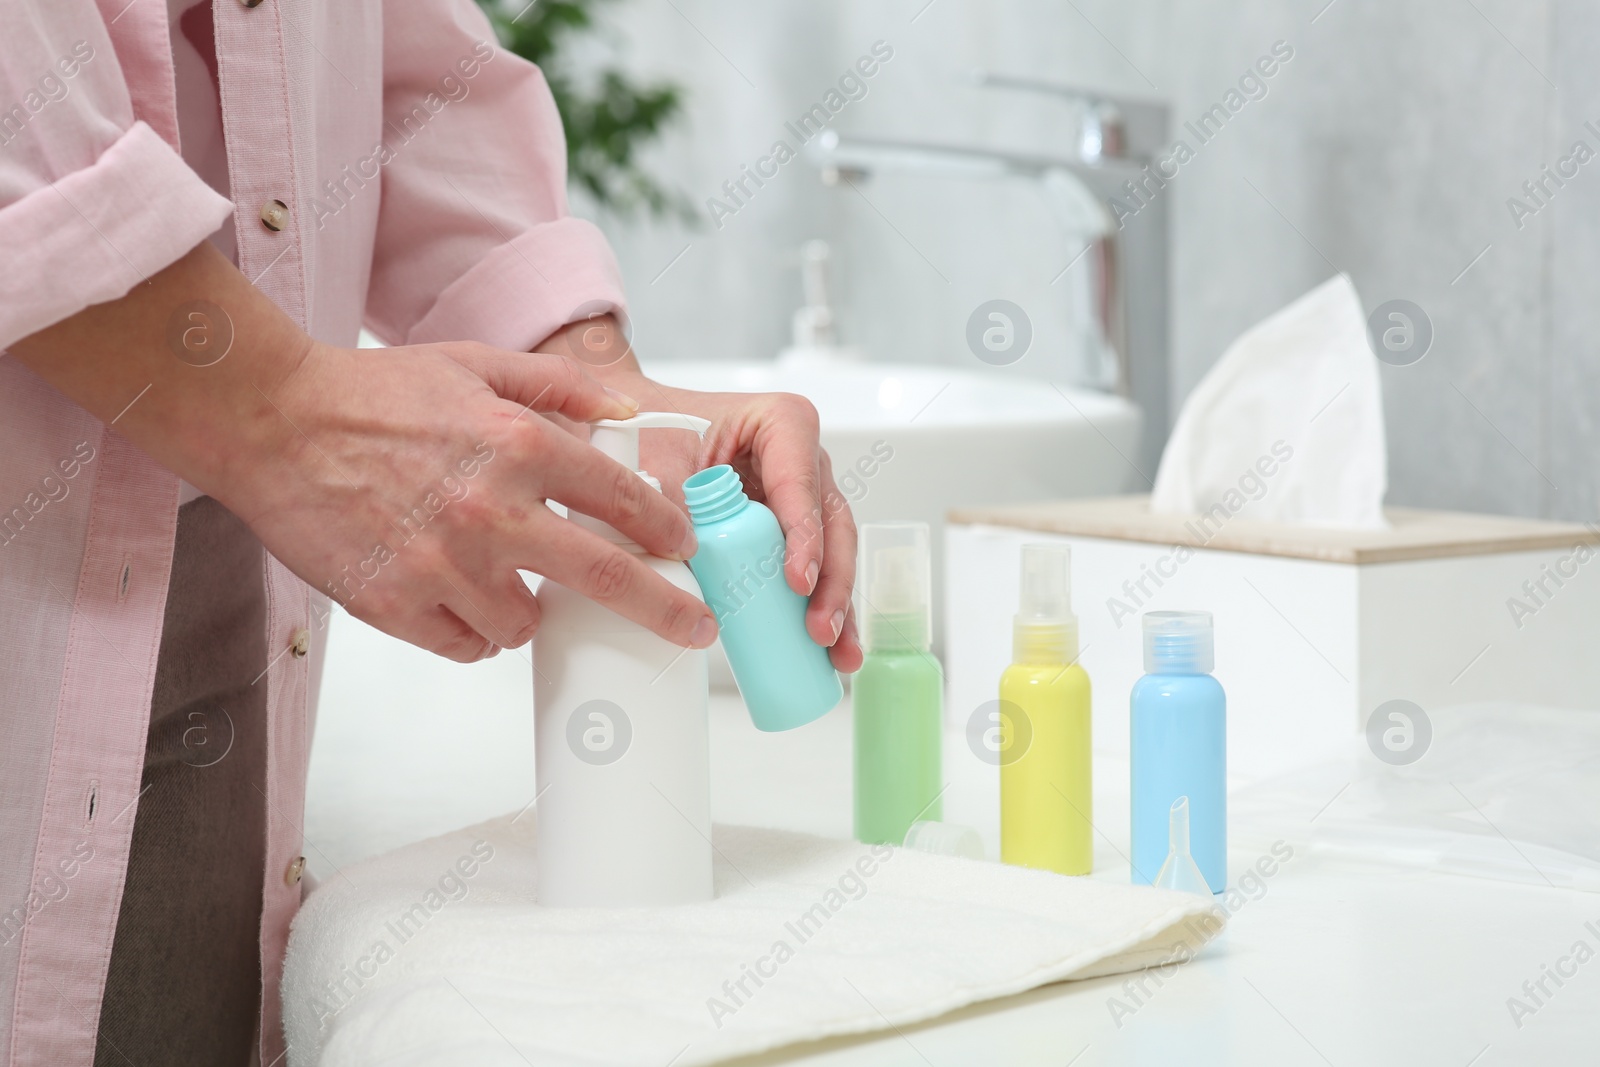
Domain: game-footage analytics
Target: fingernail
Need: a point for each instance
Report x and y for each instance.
(705, 632)
(838, 623)
(812, 569)
(622, 398)
(690, 545)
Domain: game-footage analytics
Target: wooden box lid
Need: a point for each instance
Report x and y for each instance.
(1414, 533)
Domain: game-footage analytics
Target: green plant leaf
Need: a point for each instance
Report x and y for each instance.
(608, 117)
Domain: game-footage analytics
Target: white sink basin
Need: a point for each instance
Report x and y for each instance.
(955, 438)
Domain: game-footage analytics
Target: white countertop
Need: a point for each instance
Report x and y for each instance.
(1331, 963)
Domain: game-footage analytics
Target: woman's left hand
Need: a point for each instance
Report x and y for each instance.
(772, 440)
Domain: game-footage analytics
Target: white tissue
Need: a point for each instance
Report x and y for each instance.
(1288, 426)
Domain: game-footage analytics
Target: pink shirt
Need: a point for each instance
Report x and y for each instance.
(421, 176)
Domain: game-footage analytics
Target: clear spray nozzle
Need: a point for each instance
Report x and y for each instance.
(1045, 630)
(896, 585)
(1046, 583)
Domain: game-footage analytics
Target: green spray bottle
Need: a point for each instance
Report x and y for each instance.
(898, 695)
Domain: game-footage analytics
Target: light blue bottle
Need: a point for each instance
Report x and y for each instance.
(1179, 746)
(784, 676)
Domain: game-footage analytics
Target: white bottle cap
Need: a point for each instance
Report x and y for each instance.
(619, 439)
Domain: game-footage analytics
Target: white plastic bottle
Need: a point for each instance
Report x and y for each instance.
(620, 720)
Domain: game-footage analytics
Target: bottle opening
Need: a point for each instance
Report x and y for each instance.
(713, 494)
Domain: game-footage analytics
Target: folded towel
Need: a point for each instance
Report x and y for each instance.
(436, 953)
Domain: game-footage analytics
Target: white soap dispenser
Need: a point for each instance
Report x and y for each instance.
(620, 728)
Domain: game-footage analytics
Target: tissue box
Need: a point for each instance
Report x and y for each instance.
(1315, 628)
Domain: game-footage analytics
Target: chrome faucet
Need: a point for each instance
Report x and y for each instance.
(1115, 143)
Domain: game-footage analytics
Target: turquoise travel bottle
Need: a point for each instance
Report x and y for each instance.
(1179, 746)
(898, 695)
(784, 676)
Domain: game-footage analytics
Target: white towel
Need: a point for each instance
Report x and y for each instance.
(437, 954)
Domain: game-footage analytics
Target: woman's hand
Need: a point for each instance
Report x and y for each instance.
(412, 489)
(772, 440)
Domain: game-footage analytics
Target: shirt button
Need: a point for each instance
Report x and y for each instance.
(292, 873)
(250, 3)
(300, 644)
(275, 215)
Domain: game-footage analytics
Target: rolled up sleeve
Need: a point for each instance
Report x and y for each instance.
(92, 201)
(474, 237)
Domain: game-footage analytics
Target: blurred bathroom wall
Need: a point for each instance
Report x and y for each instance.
(697, 292)
(1389, 146)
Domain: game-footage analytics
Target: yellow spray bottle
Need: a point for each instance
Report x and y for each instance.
(1045, 792)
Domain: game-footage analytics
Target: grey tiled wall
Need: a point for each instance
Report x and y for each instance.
(1387, 147)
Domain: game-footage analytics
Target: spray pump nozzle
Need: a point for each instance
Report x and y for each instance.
(896, 590)
(1044, 629)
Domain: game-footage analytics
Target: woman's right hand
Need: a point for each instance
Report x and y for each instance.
(328, 453)
(409, 484)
